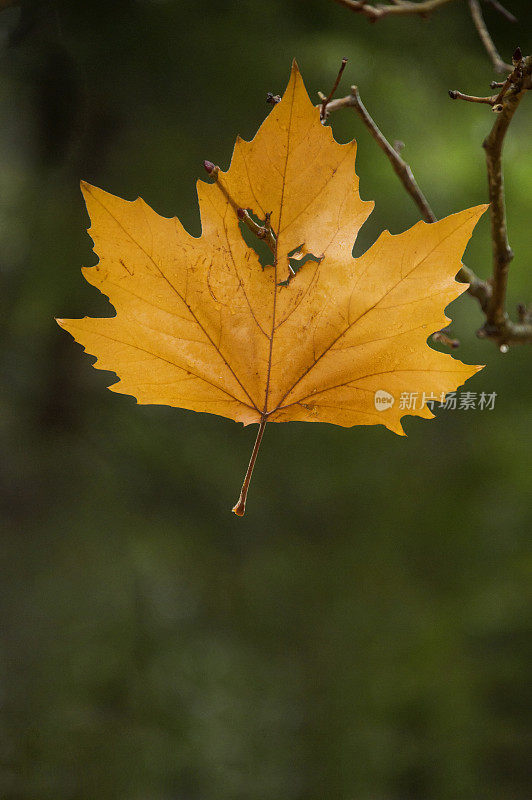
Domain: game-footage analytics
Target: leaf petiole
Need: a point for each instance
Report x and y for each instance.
(240, 508)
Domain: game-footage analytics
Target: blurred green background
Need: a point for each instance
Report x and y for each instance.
(363, 633)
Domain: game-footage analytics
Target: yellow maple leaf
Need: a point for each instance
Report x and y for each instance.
(317, 336)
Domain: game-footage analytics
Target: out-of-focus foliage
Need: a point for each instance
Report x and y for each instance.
(362, 634)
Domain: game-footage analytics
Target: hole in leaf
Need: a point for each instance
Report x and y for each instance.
(296, 259)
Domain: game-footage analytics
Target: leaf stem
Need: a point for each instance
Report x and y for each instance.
(240, 508)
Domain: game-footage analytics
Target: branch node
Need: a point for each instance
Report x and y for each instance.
(517, 56)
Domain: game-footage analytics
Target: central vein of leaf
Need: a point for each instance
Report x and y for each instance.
(276, 260)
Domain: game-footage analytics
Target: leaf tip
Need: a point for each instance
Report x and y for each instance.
(85, 187)
(481, 209)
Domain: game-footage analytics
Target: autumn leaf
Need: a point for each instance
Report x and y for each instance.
(315, 333)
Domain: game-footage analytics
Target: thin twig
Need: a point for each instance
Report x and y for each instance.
(478, 20)
(400, 166)
(454, 94)
(323, 112)
(426, 7)
(502, 10)
(477, 287)
(504, 331)
(373, 13)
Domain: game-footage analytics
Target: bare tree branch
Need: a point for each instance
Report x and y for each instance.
(502, 10)
(454, 94)
(495, 100)
(477, 287)
(426, 7)
(400, 166)
(497, 318)
(406, 8)
(491, 294)
(478, 20)
(498, 326)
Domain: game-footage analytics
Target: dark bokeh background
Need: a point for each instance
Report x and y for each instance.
(363, 633)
